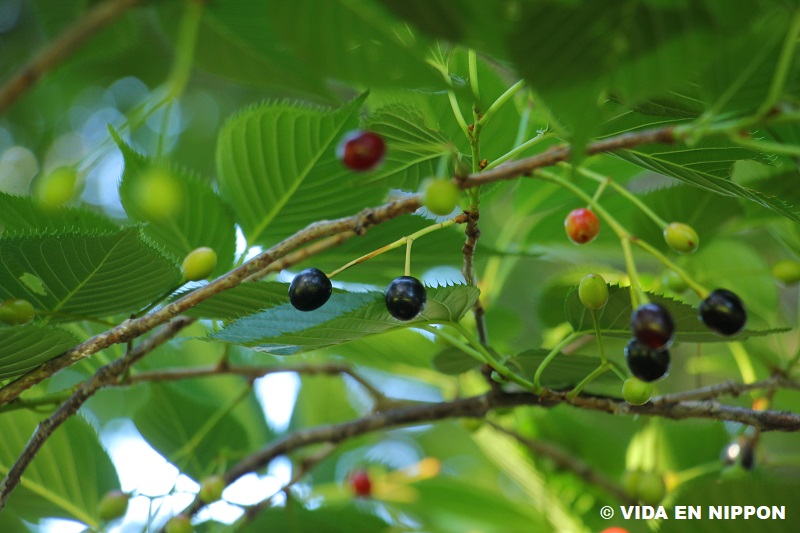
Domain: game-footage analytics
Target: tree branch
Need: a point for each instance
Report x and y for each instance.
(105, 376)
(261, 264)
(478, 406)
(97, 18)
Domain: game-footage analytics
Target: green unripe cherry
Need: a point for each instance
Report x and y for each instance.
(56, 188)
(786, 271)
(179, 524)
(636, 391)
(651, 488)
(113, 505)
(593, 291)
(16, 311)
(158, 194)
(211, 489)
(631, 483)
(199, 264)
(682, 238)
(440, 196)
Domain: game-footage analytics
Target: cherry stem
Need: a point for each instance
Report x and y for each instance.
(597, 372)
(473, 74)
(519, 149)
(409, 242)
(599, 336)
(502, 99)
(624, 235)
(460, 219)
(537, 378)
(606, 180)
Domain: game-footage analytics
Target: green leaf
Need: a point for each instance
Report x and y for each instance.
(283, 330)
(453, 361)
(293, 518)
(233, 43)
(85, 274)
(565, 371)
(203, 220)
(23, 348)
(707, 164)
(368, 47)
(413, 149)
(194, 435)
(614, 320)
(19, 214)
(67, 477)
(244, 299)
(768, 486)
(278, 168)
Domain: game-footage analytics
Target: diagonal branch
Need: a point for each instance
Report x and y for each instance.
(62, 47)
(478, 406)
(357, 224)
(104, 377)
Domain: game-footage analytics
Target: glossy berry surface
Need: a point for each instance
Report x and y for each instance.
(787, 271)
(645, 363)
(310, 289)
(440, 196)
(614, 530)
(361, 150)
(360, 483)
(582, 226)
(723, 312)
(593, 291)
(636, 391)
(199, 264)
(405, 297)
(682, 238)
(179, 524)
(211, 489)
(113, 505)
(652, 325)
(16, 311)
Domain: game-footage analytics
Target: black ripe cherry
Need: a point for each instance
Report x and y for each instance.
(653, 326)
(723, 312)
(361, 150)
(645, 363)
(310, 289)
(360, 483)
(405, 297)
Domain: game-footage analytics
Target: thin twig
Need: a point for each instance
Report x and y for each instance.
(306, 465)
(254, 372)
(478, 406)
(95, 19)
(105, 376)
(565, 461)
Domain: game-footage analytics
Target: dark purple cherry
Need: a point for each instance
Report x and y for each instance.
(653, 326)
(405, 297)
(310, 289)
(646, 363)
(723, 312)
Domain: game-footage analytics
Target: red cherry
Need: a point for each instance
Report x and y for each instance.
(359, 481)
(614, 530)
(361, 150)
(582, 226)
